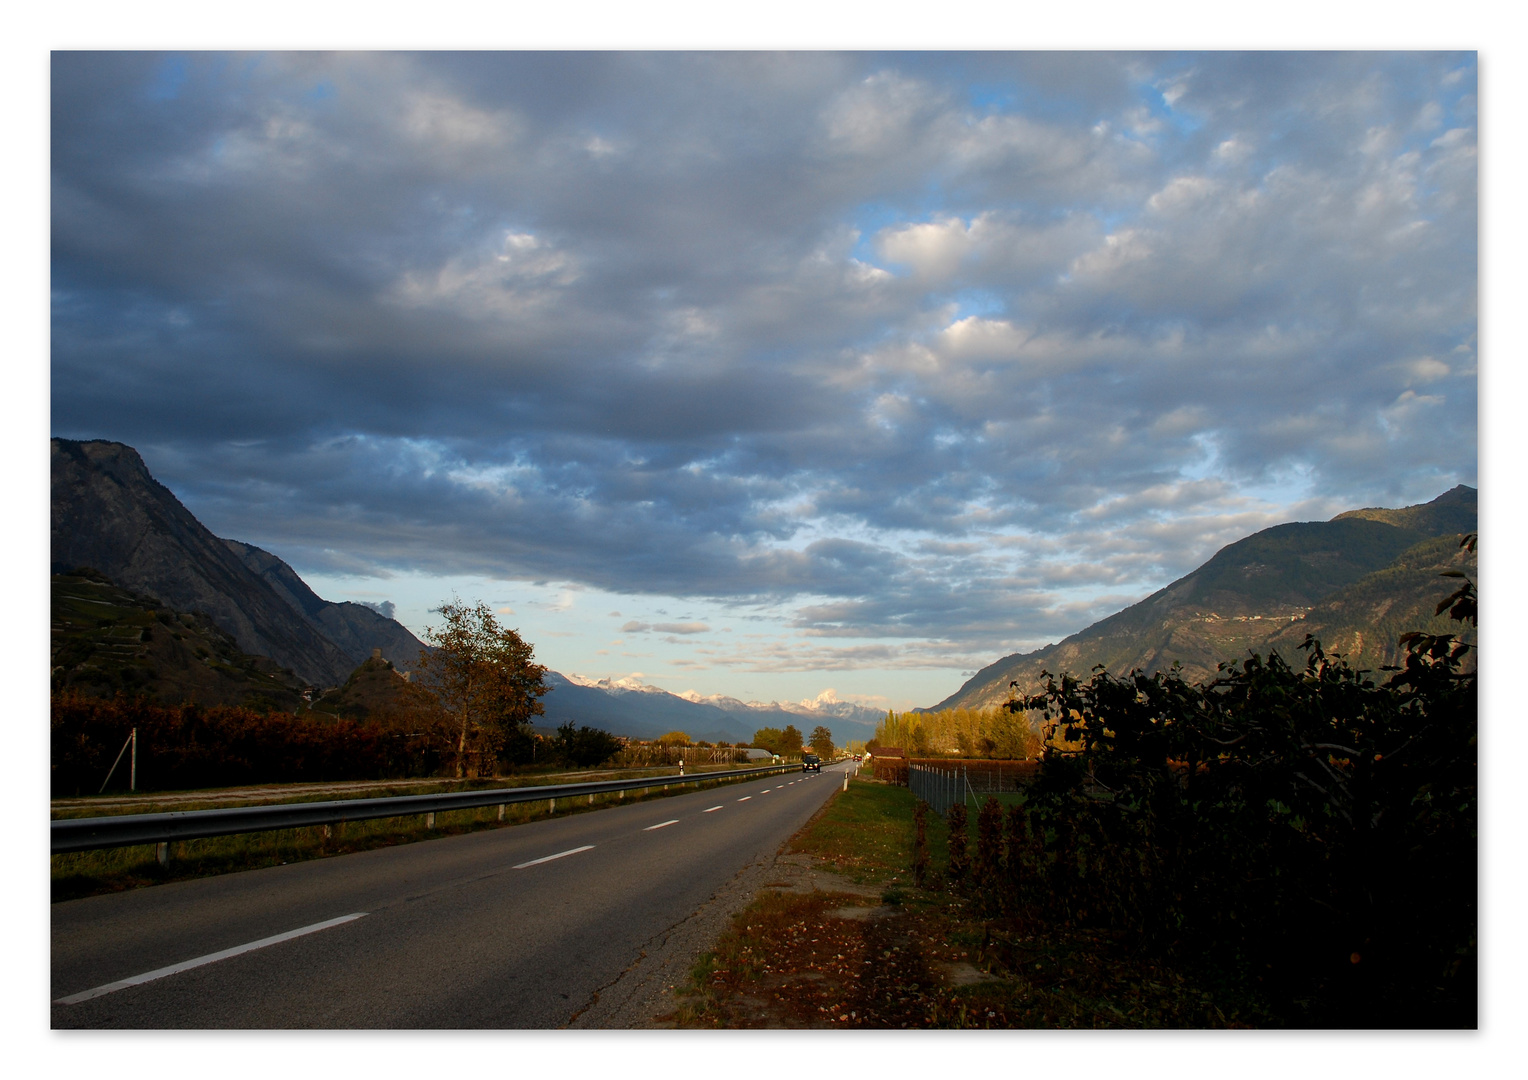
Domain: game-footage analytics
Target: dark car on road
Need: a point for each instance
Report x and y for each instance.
(811, 763)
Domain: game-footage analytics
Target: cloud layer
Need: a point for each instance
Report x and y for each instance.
(948, 354)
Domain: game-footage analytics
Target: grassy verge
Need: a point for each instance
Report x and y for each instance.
(925, 958)
(87, 873)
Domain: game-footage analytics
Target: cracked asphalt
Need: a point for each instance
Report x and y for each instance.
(584, 921)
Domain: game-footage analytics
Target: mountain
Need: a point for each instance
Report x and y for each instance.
(355, 628)
(636, 711)
(633, 708)
(110, 514)
(1356, 582)
(846, 720)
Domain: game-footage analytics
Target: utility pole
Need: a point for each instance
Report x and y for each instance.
(132, 784)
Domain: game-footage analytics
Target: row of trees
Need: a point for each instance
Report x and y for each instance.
(972, 733)
(789, 743)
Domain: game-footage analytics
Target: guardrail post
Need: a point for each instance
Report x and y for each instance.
(551, 806)
(163, 854)
(429, 821)
(501, 811)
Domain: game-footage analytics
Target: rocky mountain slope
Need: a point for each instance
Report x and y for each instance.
(1356, 582)
(355, 628)
(110, 514)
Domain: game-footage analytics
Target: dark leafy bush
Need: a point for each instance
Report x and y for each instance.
(920, 844)
(1310, 830)
(585, 746)
(989, 844)
(960, 859)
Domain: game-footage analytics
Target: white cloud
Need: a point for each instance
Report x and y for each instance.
(447, 125)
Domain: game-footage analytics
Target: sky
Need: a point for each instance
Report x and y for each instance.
(768, 374)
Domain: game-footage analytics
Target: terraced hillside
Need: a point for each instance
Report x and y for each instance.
(107, 640)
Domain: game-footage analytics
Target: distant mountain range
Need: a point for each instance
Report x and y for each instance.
(189, 616)
(1356, 583)
(630, 707)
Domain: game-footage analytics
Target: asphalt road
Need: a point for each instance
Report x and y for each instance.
(580, 920)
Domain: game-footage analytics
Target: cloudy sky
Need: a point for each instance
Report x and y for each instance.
(765, 374)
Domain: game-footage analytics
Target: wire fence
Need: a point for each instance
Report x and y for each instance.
(940, 788)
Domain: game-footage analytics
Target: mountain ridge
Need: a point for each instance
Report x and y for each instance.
(1369, 572)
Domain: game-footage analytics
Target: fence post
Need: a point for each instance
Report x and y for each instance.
(132, 784)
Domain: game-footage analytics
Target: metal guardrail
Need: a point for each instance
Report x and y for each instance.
(85, 834)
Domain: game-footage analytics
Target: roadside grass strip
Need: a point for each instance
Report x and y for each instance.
(928, 958)
(210, 958)
(549, 858)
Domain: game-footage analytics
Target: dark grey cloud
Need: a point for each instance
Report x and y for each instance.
(958, 348)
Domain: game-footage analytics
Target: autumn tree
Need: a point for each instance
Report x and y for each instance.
(486, 680)
(822, 742)
(790, 741)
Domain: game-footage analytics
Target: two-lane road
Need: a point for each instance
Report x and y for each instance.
(518, 927)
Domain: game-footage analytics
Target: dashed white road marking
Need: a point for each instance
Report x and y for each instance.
(661, 825)
(745, 798)
(549, 858)
(210, 958)
(712, 808)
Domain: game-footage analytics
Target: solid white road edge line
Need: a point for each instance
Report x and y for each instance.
(661, 825)
(210, 958)
(549, 858)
